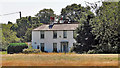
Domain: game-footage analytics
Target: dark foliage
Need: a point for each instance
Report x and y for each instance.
(16, 47)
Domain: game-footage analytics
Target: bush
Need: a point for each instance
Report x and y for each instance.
(27, 51)
(91, 52)
(16, 47)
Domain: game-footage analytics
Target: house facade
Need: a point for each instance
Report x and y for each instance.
(54, 38)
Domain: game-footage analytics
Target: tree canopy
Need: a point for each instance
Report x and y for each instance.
(44, 15)
(24, 27)
(105, 27)
(75, 12)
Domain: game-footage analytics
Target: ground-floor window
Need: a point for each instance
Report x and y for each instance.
(54, 47)
(38, 47)
(42, 47)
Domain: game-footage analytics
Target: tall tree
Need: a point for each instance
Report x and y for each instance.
(44, 15)
(105, 27)
(84, 38)
(8, 36)
(75, 12)
(24, 27)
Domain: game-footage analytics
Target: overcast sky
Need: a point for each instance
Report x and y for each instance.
(31, 7)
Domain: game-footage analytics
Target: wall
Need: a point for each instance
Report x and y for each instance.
(48, 40)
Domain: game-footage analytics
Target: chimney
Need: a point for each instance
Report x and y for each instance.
(52, 19)
(61, 20)
(51, 22)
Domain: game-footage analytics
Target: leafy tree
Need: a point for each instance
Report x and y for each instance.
(24, 27)
(75, 12)
(44, 15)
(84, 38)
(105, 27)
(8, 36)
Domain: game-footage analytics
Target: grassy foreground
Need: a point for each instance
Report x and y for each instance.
(59, 59)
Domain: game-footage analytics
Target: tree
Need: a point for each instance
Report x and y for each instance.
(75, 12)
(105, 26)
(84, 38)
(22, 24)
(8, 36)
(24, 27)
(44, 15)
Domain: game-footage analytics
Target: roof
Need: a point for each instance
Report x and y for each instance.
(57, 27)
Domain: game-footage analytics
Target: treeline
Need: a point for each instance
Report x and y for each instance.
(98, 33)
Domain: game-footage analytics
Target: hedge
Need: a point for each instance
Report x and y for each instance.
(27, 51)
(16, 47)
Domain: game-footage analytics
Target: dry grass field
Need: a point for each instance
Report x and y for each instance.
(59, 59)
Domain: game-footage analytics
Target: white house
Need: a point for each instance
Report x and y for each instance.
(54, 38)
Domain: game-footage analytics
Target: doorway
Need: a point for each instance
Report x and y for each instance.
(64, 47)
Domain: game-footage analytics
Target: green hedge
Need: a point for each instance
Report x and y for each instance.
(16, 47)
(27, 51)
(17, 44)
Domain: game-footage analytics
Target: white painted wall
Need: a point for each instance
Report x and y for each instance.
(48, 39)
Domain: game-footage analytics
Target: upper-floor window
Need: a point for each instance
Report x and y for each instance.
(64, 34)
(54, 34)
(42, 34)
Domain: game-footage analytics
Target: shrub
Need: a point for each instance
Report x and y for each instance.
(27, 51)
(91, 52)
(16, 47)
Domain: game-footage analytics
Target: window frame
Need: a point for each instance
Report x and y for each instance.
(54, 34)
(65, 34)
(42, 34)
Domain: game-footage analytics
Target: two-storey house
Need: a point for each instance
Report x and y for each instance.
(54, 38)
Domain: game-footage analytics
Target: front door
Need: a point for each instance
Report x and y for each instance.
(64, 47)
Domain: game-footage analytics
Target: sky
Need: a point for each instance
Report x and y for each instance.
(32, 7)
